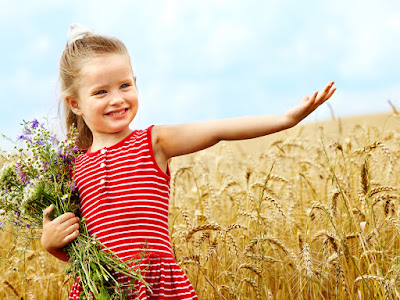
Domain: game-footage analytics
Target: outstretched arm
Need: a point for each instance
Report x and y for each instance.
(173, 140)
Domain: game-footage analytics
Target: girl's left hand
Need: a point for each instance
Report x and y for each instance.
(308, 105)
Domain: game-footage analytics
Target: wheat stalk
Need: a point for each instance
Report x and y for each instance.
(193, 230)
(369, 277)
(251, 267)
(267, 259)
(253, 284)
(306, 260)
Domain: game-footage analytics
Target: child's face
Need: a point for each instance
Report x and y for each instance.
(107, 95)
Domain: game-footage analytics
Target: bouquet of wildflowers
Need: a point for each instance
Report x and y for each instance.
(41, 174)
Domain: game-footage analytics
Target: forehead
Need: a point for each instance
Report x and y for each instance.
(105, 66)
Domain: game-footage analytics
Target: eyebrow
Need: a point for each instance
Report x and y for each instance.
(104, 86)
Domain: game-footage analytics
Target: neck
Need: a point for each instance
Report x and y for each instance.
(108, 139)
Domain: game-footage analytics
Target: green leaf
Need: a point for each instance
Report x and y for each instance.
(103, 294)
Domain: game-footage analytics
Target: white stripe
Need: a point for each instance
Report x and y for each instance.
(90, 179)
(163, 181)
(174, 295)
(142, 197)
(133, 140)
(110, 191)
(113, 171)
(133, 212)
(133, 154)
(121, 214)
(134, 180)
(138, 250)
(129, 200)
(136, 145)
(132, 166)
(98, 232)
(96, 197)
(145, 239)
(174, 276)
(162, 227)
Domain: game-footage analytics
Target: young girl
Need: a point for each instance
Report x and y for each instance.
(123, 176)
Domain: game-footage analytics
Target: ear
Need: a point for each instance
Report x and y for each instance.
(74, 105)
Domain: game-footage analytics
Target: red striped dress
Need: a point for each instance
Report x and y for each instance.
(124, 196)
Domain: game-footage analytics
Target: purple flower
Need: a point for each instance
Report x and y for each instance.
(27, 226)
(24, 138)
(21, 174)
(75, 149)
(40, 141)
(60, 155)
(54, 140)
(27, 131)
(35, 123)
(1, 224)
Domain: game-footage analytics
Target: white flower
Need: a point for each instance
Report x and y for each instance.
(6, 172)
(30, 191)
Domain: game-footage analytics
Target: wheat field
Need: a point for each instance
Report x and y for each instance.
(309, 213)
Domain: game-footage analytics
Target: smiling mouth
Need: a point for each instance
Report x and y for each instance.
(117, 113)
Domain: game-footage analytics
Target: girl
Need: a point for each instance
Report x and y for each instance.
(123, 176)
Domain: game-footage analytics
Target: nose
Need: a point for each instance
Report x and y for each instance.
(116, 99)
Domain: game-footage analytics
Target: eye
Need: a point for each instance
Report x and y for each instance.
(125, 85)
(100, 92)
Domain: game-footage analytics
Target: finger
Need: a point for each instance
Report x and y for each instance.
(64, 217)
(70, 229)
(329, 85)
(304, 100)
(46, 213)
(331, 93)
(325, 92)
(69, 238)
(326, 96)
(327, 88)
(313, 97)
(48, 210)
(70, 222)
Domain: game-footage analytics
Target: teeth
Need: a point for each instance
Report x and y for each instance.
(117, 113)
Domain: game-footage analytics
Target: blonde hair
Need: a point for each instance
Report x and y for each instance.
(74, 57)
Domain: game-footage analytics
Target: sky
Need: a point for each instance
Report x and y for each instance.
(200, 60)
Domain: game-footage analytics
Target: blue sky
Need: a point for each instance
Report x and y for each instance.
(198, 60)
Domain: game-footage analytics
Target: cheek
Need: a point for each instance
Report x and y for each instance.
(93, 111)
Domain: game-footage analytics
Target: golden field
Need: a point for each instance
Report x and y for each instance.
(309, 213)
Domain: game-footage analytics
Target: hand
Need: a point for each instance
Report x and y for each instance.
(308, 105)
(59, 232)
